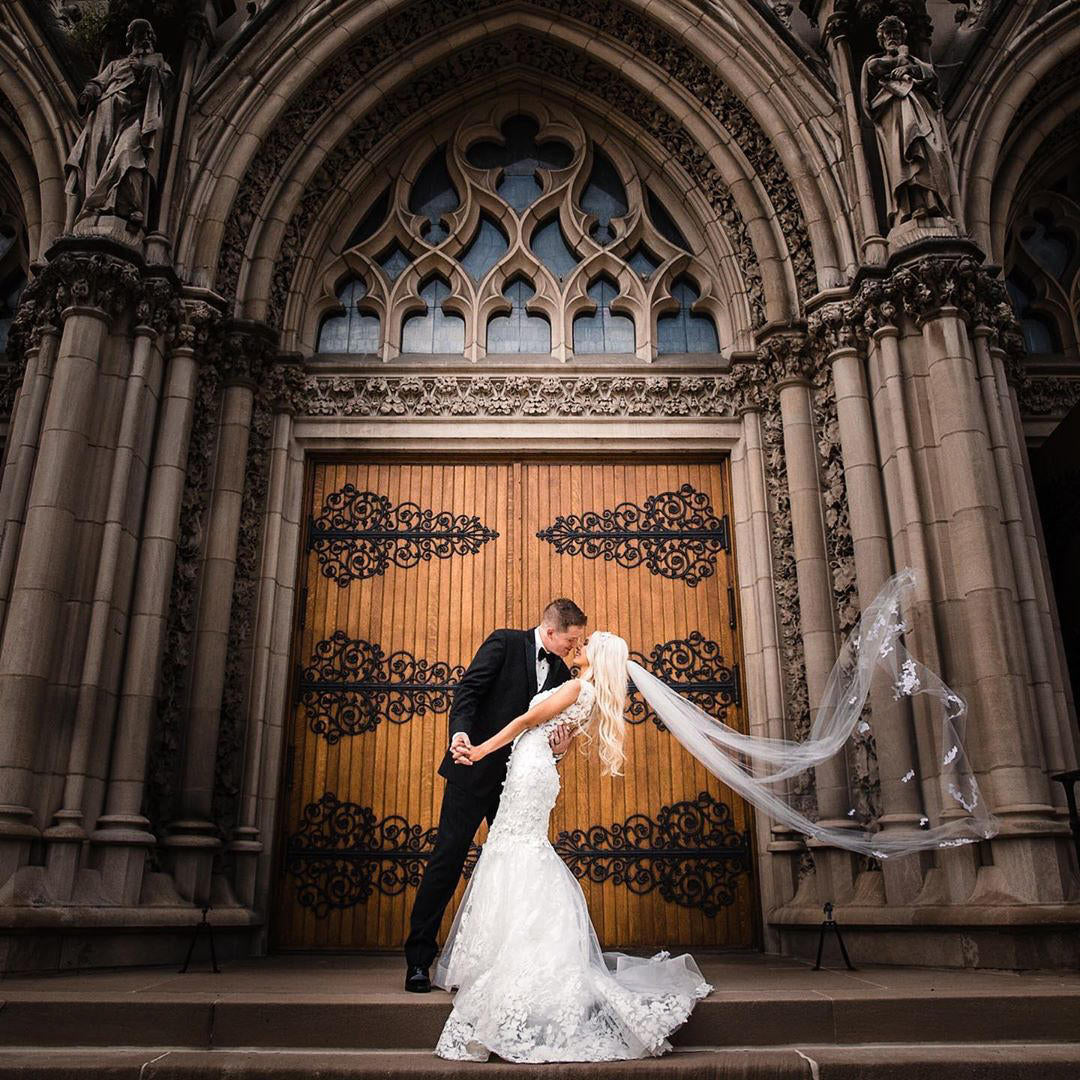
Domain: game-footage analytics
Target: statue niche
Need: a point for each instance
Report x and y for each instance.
(108, 169)
(900, 95)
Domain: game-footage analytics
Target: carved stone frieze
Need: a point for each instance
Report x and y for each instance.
(522, 395)
(1049, 395)
(649, 39)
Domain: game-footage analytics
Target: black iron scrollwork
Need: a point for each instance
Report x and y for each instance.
(351, 685)
(692, 853)
(360, 534)
(695, 667)
(342, 853)
(675, 534)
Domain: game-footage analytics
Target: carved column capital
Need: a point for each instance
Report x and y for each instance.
(787, 356)
(836, 326)
(156, 305)
(198, 323)
(95, 279)
(246, 351)
(284, 386)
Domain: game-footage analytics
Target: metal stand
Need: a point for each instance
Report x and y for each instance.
(830, 924)
(199, 927)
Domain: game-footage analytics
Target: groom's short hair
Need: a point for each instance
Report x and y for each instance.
(561, 614)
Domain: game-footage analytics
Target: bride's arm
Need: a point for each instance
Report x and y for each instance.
(544, 710)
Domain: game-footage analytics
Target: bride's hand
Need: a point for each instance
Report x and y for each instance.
(471, 755)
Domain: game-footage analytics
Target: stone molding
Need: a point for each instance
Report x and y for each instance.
(1048, 395)
(356, 64)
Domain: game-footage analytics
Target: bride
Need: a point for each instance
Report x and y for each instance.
(533, 984)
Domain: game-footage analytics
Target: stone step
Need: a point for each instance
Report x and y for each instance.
(398, 1021)
(960, 1061)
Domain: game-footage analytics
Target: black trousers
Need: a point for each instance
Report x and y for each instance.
(460, 817)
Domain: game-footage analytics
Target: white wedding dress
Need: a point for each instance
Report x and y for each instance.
(533, 984)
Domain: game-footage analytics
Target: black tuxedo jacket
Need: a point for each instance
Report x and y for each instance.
(498, 685)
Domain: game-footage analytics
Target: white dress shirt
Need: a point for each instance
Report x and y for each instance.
(542, 666)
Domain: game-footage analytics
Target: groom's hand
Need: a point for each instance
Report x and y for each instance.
(460, 746)
(559, 739)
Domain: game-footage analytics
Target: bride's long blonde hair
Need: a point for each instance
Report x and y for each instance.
(607, 654)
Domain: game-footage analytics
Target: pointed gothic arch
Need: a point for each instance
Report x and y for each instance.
(749, 151)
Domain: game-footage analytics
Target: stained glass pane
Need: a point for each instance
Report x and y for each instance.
(603, 331)
(519, 158)
(642, 262)
(435, 331)
(550, 247)
(682, 331)
(433, 195)
(604, 196)
(353, 331)
(1051, 246)
(394, 261)
(1040, 335)
(518, 332)
(489, 244)
(664, 222)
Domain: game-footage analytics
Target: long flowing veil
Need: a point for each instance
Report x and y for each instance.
(757, 767)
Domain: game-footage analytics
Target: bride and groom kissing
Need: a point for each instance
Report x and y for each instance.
(532, 983)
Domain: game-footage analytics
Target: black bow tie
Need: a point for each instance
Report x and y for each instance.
(543, 654)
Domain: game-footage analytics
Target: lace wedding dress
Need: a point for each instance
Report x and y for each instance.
(533, 984)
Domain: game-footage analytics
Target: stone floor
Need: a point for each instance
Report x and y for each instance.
(768, 1017)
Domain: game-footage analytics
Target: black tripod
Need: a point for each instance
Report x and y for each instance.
(830, 924)
(199, 927)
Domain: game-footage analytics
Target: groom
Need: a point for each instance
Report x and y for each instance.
(507, 670)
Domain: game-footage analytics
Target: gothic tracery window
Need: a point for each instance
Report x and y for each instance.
(1043, 271)
(519, 234)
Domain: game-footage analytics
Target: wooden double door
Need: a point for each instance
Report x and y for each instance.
(406, 567)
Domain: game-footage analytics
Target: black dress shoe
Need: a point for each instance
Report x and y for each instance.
(417, 981)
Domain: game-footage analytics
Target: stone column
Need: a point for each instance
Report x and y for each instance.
(1035, 640)
(122, 835)
(1007, 740)
(246, 842)
(761, 643)
(894, 737)
(1004, 375)
(22, 449)
(834, 34)
(193, 838)
(789, 363)
(89, 287)
(65, 837)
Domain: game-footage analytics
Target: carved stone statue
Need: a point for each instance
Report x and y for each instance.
(900, 95)
(108, 169)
